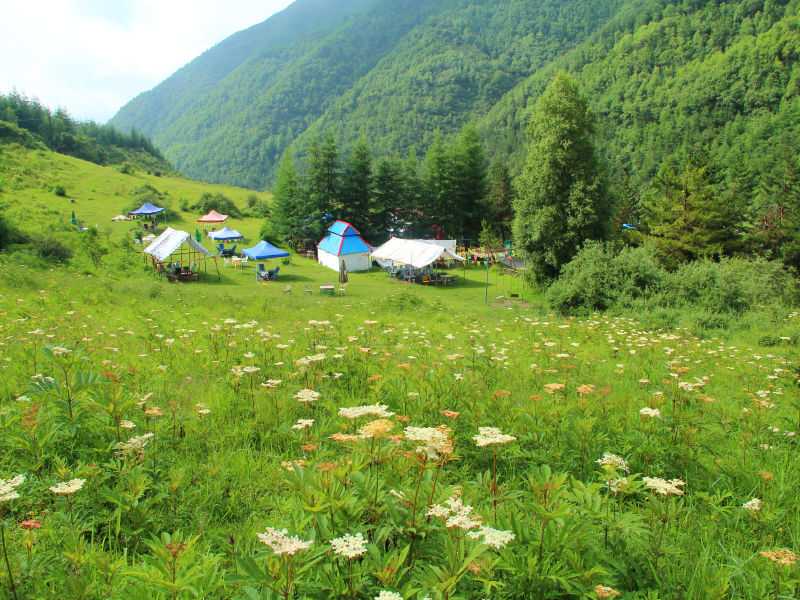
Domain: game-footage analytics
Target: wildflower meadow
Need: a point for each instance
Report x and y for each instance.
(181, 444)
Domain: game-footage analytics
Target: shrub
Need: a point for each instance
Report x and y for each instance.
(60, 191)
(731, 285)
(599, 277)
(49, 248)
(219, 202)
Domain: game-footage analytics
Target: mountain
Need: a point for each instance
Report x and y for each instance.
(663, 76)
(394, 69)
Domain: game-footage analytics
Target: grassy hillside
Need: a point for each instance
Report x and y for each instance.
(96, 194)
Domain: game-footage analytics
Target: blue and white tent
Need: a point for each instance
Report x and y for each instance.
(264, 251)
(147, 210)
(344, 246)
(225, 235)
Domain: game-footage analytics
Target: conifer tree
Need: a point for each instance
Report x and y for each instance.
(322, 186)
(356, 188)
(561, 199)
(286, 221)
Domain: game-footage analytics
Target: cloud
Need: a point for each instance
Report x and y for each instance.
(93, 56)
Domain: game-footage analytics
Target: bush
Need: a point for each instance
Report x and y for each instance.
(218, 202)
(732, 285)
(60, 191)
(51, 249)
(599, 277)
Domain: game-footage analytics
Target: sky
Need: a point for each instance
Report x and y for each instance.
(93, 56)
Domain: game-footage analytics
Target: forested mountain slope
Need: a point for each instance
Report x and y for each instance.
(396, 70)
(665, 77)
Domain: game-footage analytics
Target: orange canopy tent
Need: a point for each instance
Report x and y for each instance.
(213, 217)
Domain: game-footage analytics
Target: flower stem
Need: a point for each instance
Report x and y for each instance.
(8, 563)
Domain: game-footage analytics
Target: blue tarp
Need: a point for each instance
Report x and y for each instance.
(264, 251)
(343, 239)
(225, 234)
(146, 210)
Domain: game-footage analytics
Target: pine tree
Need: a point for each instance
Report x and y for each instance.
(387, 199)
(468, 181)
(561, 199)
(499, 203)
(286, 221)
(323, 187)
(689, 218)
(437, 187)
(357, 188)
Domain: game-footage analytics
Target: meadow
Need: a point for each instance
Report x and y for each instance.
(227, 439)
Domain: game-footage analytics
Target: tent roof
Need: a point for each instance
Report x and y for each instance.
(168, 242)
(264, 251)
(343, 239)
(225, 233)
(147, 209)
(344, 229)
(415, 253)
(213, 217)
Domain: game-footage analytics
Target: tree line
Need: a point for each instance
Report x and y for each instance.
(60, 132)
(562, 199)
(451, 193)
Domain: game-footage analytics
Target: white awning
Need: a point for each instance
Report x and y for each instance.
(416, 253)
(168, 242)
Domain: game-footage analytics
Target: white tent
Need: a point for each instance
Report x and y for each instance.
(415, 253)
(449, 244)
(168, 242)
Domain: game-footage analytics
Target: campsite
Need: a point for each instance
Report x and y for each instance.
(379, 300)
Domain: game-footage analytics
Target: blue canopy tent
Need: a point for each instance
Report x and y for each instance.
(225, 235)
(264, 251)
(147, 210)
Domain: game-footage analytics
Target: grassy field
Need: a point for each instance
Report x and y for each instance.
(185, 420)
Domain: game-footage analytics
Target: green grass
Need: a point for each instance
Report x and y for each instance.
(179, 519)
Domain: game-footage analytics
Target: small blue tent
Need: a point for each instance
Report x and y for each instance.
(147, 210)
(264, 251)
(344, 246)
(225, 235)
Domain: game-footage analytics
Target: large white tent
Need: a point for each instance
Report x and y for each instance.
(169, 242)
(414, 253)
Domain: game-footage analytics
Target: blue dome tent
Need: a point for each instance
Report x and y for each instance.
(344, 246)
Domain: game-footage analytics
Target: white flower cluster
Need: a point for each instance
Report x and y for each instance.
(494, 538)
(752, 506)
(613, 461)
(134, 445)
(307, 396)
(8, 488)
(350, 546)
(280, 542)
(456, 514)
(386, 595)
(664, 487)
(435, 442)
(650, 413)
(490, 436)
(303, 424)
(67, 488)
(371, 410)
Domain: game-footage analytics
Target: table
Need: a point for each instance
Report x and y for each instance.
(327, 290)
(447, 279)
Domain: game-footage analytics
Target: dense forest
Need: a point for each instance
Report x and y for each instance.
(664, 77)
(27, 121)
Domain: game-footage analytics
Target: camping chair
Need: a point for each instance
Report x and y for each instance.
(261, 274)
(221, 249)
